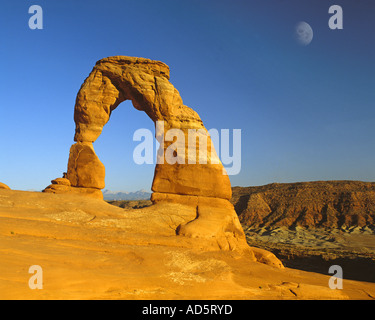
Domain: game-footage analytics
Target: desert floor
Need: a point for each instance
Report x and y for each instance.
(89, 249)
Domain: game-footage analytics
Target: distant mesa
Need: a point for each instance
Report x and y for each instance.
(325, 204)
(4, 186)
(202, 186)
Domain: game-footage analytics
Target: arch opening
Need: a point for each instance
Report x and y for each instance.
(115, 147)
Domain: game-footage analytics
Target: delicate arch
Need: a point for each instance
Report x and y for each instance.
(203, 186)
(146, 83)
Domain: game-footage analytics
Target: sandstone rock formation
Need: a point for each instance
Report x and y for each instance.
(195, 179)
(146, 83)
(327, 204)
(84, 168)
(89, 249)
(4, 186)
(313, 225)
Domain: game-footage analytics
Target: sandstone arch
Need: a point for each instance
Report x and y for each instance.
(203, 185)
(146, 83)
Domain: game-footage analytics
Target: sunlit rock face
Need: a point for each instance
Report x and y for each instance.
(194, 179)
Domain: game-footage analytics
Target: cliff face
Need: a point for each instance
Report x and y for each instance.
(327, 204)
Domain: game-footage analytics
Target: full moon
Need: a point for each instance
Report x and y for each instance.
(303, 33)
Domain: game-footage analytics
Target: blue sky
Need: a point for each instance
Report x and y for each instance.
(306, 112)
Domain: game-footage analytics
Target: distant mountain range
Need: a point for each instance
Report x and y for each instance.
(123, 195)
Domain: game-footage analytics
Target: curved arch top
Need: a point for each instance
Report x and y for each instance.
(143, 81)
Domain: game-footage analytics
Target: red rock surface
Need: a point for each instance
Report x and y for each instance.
(4, 186)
